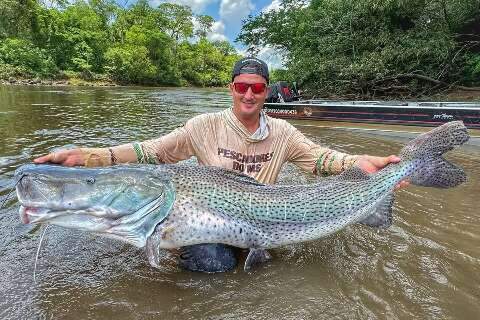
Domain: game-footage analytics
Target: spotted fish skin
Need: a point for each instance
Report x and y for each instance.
(239, 211)
(171, 206)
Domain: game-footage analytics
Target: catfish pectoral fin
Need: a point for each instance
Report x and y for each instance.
(256, 256)
(382, 215)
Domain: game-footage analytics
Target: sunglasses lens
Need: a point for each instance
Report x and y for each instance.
(241, 87)
(258, 87)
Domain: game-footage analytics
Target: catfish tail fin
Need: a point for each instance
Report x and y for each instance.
(428, 148)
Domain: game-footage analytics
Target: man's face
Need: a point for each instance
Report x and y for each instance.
(249, 103)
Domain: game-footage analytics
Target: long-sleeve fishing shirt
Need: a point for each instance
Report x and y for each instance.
(220, 139)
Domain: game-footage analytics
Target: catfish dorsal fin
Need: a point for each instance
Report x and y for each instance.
(381, 216)
(354, 174)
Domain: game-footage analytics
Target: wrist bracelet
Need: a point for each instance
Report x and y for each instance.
(113, 159)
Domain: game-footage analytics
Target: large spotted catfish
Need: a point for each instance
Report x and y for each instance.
(170, 206)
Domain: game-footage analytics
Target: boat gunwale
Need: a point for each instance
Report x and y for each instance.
(295, 104)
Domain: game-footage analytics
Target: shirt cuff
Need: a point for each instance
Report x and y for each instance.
(96, 157)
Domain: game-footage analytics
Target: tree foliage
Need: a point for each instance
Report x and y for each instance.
(139, 44)
(205, 63)
(20, 58)
(371, 47)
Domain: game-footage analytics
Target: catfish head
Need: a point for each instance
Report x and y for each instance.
(122, 202)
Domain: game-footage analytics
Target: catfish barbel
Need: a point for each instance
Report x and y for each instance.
(170, 206)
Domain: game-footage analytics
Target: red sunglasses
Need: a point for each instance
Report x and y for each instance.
(242, 88)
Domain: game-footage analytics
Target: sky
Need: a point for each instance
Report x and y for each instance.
(228, 15)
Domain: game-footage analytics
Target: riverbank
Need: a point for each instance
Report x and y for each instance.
(452, 95)
(59, 82)
(100, 81)
(458, 95)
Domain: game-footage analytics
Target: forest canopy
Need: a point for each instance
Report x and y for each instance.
(373, 47)
(94, 39)
(330, 47)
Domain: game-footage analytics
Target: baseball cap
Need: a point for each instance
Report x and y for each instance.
(252, 66)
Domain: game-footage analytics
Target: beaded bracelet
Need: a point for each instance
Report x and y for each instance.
(113, 158)
(318, 165)
(332, 159)
(138, 152)
(322, 160)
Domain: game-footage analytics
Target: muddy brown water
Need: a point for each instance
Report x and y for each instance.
(426, 266)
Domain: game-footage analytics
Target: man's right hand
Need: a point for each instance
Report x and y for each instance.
(69, 158)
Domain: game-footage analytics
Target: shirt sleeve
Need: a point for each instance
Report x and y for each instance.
(311, 157)
(171, 148)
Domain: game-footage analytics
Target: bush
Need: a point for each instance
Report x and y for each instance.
(20, 57)
(130, 64)
(8, 71)
(280, 75)
(472, 69)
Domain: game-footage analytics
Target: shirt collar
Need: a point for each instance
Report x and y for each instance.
(260, 134)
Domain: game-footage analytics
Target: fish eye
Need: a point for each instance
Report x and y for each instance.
(90, 180)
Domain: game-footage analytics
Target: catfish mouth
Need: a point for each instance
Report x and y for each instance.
(32, 214)
(29, 211)
(36, 214)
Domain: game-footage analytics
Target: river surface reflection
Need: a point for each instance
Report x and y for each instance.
(426, 266)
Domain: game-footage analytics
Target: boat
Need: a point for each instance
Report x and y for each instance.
(286, 103)
(379, 112)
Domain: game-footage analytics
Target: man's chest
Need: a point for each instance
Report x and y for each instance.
(237, 154)
(246, 159)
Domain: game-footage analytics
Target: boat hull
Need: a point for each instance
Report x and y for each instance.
(407, 113)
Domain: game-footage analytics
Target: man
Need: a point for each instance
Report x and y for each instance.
(241, 138)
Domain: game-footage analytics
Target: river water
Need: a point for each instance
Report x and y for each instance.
(426, 266)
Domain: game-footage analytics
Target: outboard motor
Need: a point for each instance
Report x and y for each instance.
(281, 92)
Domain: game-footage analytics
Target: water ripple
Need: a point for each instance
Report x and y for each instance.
(425, 266)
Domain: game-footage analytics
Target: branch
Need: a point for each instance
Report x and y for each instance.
(435, 81)
(468, 88)
(420, 77)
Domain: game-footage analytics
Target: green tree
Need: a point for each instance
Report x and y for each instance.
(205, 24)
(179, 23)
(78, 39)
(135, 44)
(280, 75)
(17, 18)
(367, 47)
(130, 64)
(205, 64)
(225, 48)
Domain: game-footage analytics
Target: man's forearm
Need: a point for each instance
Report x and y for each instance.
(104, 157)
(170, 148)
(334, 162)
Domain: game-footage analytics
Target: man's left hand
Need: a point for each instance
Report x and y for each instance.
(371, 164)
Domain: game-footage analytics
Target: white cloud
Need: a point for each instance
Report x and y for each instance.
(232, 12)
(274, 6)
(198, 6)
(272, 58)
(218, 32)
